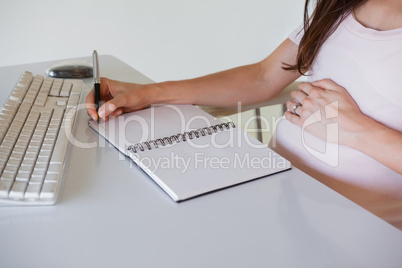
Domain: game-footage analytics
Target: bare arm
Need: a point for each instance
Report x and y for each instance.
(381, 143)
(248, 84)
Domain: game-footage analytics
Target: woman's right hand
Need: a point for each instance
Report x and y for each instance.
(117, 98)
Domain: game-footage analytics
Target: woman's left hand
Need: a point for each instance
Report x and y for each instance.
(318, 105)
(326, 110)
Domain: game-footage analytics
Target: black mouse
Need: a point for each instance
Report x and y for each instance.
(71, 69)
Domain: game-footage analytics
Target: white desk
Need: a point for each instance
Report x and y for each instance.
(111, 215)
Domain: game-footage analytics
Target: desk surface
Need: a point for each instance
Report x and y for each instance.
(110, 214)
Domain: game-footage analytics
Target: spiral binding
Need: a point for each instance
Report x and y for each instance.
(180, 137)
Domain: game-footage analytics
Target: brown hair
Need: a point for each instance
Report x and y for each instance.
(327, 16)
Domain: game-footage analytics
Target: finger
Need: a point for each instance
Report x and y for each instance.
(105, 88)
(328, 84)
(298, 95)
(110, 106)
(293, 106)
(116, 112)
(294, 119)
(325, 84)
(90, 105)
(305, 87)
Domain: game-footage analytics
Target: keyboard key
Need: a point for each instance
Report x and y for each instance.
(65, 89)
(45, 153)
(24, 177)
(5, 186)
(76, 89)
(52, 178)
(33, 191)
(15, 155)
(40, 99)
(39, 168)
(2, 164)
(48, 190)
(54, 167)
(10, 169)
(29, 163)
(7, 177)
(18, 189)
(55, 89)
(38, 176)
(26, 169)
(14, 163)
(58, 115)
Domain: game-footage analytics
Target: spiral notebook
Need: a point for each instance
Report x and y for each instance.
(188, 152)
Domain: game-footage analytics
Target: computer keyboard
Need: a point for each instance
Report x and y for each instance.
(35, 123)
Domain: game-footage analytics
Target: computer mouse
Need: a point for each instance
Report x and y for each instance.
(71, 69)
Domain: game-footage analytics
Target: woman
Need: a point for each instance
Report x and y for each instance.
(343, 127)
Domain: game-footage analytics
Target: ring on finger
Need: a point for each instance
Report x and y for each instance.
(294, 107)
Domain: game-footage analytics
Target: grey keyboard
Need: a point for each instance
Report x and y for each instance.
(35, 123)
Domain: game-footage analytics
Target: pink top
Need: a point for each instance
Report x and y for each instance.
(368, 63)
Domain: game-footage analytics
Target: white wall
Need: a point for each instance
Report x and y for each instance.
(164, 39)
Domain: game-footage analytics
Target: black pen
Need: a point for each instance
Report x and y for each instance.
(96, 81)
